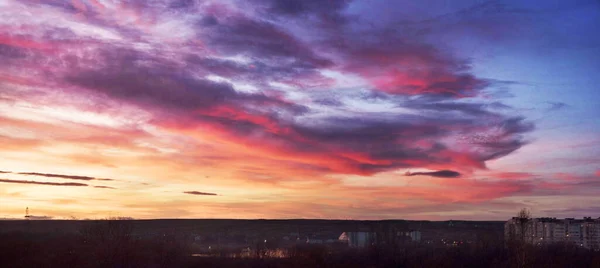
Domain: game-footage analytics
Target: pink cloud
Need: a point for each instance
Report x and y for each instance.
(513, 175)
(23, 42)
(107, 59)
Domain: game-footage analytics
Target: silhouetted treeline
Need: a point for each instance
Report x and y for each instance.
(110, 243)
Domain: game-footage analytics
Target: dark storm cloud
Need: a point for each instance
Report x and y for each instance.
(43, 183)
(198, 193)
(438, 174)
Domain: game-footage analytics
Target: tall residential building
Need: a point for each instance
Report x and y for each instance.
(591, 234)
(543, 231)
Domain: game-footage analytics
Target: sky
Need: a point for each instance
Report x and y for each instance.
(329, 109)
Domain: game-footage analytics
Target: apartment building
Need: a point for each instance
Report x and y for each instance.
(543, 231)
(591, 234)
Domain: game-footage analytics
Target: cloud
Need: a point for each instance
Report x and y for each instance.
(302, 8)
(198, 193)
(11, 53)
(43, 183)
(231, 35)
(402, 65)
(572, 212)
(62, 176)
(554, 106)
(69, 177)
(514, 175)
(105, 187)
(16, 144)
(438, 174)
(355, 143)
(254, 85)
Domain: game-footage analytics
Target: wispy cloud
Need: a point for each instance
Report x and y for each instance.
(104, 187)
(61, 176)
(69, 177)
(554, 106)
(513, 175)
(438, 174)
(198, 193)
(43, 183)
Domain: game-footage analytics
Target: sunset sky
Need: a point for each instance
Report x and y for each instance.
(333, 109)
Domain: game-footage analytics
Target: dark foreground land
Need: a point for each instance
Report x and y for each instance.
(271, 243)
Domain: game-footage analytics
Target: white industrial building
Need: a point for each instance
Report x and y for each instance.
(358, 239)
(415, 236)
(365, 239)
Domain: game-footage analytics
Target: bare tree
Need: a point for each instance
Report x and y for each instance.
(524, 225)
(111, 240)
(524, 222)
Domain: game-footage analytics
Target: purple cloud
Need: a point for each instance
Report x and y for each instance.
(433, 95)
